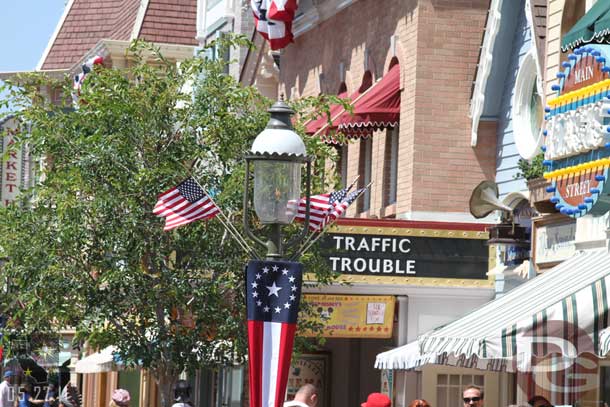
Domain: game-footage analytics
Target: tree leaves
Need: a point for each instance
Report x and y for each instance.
(83, 248)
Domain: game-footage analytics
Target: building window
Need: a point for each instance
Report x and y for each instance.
(449, 387)
(211, 4)
(390, 166)
(342, 164)
(365, 171)
(527, 109)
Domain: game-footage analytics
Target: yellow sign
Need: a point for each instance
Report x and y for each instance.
(354, 316)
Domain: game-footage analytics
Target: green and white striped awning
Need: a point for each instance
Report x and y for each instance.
(563, 311)
(593, 27)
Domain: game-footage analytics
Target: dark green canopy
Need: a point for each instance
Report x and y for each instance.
(592, 27)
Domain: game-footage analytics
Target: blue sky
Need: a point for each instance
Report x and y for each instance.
(27, 26)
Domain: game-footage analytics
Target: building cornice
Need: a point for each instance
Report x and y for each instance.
(484, 68)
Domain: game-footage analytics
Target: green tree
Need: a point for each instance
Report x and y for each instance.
(83, 248)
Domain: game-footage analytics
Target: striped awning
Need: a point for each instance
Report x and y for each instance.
(98, 362)
(563, 311)
(593, 27)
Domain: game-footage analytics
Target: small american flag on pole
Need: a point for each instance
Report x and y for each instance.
(320, 207)
(340, 208)
(185, 203)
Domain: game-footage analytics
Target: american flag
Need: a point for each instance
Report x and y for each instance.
(340, 208)
(320, 207)
(185, 203)
(277, 32)
(273, 291)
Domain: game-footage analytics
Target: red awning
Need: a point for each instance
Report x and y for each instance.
(377, 108)
(312, 126)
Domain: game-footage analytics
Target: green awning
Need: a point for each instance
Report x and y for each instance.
(592, 27)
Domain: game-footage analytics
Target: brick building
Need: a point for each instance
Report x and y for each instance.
(423, 164)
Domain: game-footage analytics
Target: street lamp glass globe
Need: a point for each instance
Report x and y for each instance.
(277, 189)
(277, 154)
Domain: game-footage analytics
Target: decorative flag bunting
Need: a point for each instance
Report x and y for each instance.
(282, 10)
(80, 78)
(277, 32)
(185, 203)
(273, 291)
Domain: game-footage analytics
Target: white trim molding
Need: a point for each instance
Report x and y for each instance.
(528, 144)
(54, 36)
(530, 22)
(485, 63)
(137, 26)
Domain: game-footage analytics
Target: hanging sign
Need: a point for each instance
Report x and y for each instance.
(577, 134)
(12, 168)
(406, 256)
(353, 316)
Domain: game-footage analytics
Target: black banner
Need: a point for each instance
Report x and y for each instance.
(406, 256)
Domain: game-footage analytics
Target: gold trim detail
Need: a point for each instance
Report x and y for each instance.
(392, 231)
(563, 173)
(411, 281)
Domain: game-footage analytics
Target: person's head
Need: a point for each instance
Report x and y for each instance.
(182, 391)
(120, 398)
(9, 376)
(539, 401)
(307, 394)
(28, 387)
(377, 400)
(419, 403)
(473, 396)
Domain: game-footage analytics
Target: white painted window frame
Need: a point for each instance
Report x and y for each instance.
(527, 143)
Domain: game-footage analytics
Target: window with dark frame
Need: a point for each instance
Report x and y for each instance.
(342, 164)
(390, 166)
(365, 172)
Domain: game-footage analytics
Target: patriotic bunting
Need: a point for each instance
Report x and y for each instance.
(273, 292)
(278, 32)
(80, 78)
(184, 204)
(282, 10)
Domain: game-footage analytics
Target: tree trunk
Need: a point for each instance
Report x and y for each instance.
(165, 382)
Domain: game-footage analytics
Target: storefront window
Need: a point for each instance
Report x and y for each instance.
(390, 176)
(342, 164)
(365, 167)
(449, 387)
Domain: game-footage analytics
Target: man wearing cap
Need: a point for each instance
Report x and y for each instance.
(7, 391)
(377, 400)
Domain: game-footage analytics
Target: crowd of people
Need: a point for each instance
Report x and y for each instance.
(69, 397)
(306, 396)
(472, 396)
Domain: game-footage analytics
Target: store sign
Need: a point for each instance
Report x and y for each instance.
(576, 131)
(554, 243)
(11, 166)
(577, 144)
(406, 256)
(353, 316)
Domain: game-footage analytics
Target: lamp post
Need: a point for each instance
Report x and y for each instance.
(273, 285)
(277, 157)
